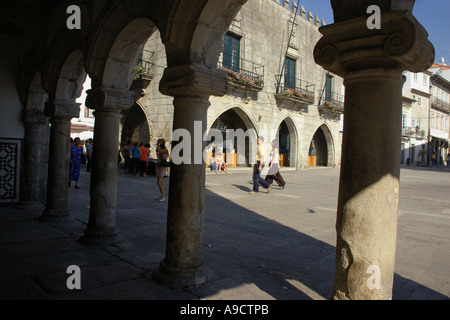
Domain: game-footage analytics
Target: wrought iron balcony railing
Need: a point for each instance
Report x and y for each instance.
(413, 132)
(406, 131)
(332, 97)
(331, 102)
(243, 72)
(440, 104)
(144, 64)
(300, 90)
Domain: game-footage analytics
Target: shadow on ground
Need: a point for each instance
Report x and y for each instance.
(253, 257)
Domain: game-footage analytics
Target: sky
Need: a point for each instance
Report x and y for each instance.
(434, 15)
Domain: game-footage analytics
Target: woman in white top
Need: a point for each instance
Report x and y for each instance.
(274, 167)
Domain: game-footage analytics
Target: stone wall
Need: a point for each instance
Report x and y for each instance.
(264, 27)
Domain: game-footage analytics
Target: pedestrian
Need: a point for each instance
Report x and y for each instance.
(75, 162)
(143, 159)
(433, 159)
(221, 164)
(274, 166)
(163, 155)
(135, 158)
(126, 153)
(89, 147)
(259, 165)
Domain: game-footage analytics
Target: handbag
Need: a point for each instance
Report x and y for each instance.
(164, 163)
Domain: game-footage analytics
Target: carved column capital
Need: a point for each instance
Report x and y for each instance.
(193, 80)
(62, 109)
(109, 99)
(350, 45)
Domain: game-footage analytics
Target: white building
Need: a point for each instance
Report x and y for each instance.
(415, 115)
(83, 126)
(439, 112)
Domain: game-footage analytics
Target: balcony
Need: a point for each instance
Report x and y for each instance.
(302, 92)
(440, 104)
(407, 132)
(142, 78)
(332, 103)
(413, 132)
(243, 74)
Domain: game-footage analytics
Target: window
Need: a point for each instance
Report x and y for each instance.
(231, 51)
(418, 125)
(328, 87)
(415, 76)
(290, 73)
(419, 101)
(425, 82)
(403, 121)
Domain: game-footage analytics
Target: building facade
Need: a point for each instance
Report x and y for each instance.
(274, 88)
(415, 114)
(440, 113)
(425, 117)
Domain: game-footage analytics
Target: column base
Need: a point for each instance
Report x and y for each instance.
(101, 238)
(50, 215)
(182, 277)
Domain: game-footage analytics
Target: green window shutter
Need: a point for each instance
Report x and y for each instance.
(328, 87)
(231, 51)
(290, 73)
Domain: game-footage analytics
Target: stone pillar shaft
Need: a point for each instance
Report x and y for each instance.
(35, 143)
(103, 188)
(371, 63)
(187, 185)
(183, 263)
(58, 164)
(108, 103)
(369, 185)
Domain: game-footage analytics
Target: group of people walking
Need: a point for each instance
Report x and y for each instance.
(274, 167)
(137, 160)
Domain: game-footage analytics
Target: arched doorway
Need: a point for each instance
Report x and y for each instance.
(320, 149)
(288, 143)
(236, 121)
(135, 126)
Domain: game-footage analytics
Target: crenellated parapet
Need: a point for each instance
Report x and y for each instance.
(292, 5)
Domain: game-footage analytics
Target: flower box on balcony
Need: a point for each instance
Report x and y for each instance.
(243, 81)
(140, 84)
(296, 95)
(333, 108)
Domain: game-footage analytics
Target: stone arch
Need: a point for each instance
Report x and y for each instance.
(234, 118)
(135, 125)
(288, 141)
(322, 147)
(71, 78)
(246, 116)
(195, 31)
(116, 42)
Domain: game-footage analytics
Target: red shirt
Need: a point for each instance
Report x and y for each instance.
(144, 153)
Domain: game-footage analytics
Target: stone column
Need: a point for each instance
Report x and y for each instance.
(371, 63)
(191, 86)
(108, 103)
(61, 113)
(36, 126)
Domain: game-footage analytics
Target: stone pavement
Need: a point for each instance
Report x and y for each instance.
(261, 247)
